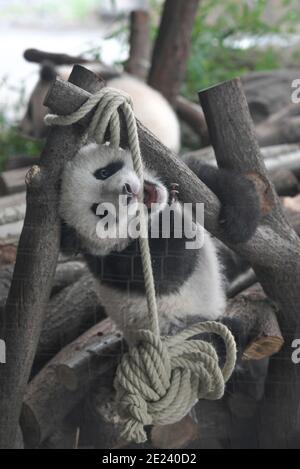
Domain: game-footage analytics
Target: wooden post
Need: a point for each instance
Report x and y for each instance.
(274, 251)
(172, 47)
(140, 44)
(35, 266)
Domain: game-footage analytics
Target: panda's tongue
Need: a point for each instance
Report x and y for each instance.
(150, 194)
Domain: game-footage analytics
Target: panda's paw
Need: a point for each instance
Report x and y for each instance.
(237, 228)
(240, 214)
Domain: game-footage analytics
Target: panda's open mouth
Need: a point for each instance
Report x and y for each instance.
(151, 194)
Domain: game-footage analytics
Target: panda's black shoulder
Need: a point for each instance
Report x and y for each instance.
(70, 242)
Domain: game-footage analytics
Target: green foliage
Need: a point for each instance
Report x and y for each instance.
(214, 58)
(68, 10)
(11, 142)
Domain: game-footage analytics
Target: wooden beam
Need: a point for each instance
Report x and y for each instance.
(138, 63)
(47, 401)
(38, 251)
(172, 47)
(274, 252)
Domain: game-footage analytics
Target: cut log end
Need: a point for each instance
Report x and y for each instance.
(67, 377)
(263, 347)
(264, 191)
(33, 176)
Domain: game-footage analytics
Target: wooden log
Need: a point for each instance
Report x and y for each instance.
(276, 157)
(10, 233)
(268, 92)
(74, 308)
(71, 312)
(105, 71)
(12, 214)
(47, 402)
(285, 182)
(8, 253)
(247, 387)
(86, 362)
(292, 210)
(282, 127)
(34, 270)
(172, 47)
(256, 316)
(39, 56)
(138, 63)
(12, 201)
(101, 424)
(63, 438)
(13, 181)
(20, 161)
(193, 115)
(278, 265)
(67, 273)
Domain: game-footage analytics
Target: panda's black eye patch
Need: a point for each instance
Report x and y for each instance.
(104, 173)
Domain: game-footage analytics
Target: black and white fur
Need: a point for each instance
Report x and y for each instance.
(189, 283)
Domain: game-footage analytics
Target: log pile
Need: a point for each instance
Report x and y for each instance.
(68, 355)
(69, 399)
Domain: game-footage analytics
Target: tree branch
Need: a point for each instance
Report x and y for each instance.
(138, 63)
(35, 267)
(172, 47)
(274, 251)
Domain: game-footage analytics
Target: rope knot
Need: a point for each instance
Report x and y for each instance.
(159, 380)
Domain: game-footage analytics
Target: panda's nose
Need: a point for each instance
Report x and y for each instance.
(127, 190)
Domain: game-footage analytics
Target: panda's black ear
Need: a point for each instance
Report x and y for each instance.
(48, 72)
(70, 242)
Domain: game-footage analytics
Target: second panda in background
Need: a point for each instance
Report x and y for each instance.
(150, 107)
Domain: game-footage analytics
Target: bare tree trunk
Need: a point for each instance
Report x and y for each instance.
(274, 252)
(140, 45)
(172, 47)
(36, 261)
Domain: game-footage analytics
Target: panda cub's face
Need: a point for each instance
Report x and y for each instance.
(98, 178)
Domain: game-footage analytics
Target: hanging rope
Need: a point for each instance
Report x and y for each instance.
(159, 380)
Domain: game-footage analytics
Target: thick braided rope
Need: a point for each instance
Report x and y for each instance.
(160, 379)
(106, 103)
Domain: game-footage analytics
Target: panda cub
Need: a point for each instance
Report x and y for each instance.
(189, 282)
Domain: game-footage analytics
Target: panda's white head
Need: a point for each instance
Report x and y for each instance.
(102, 176)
